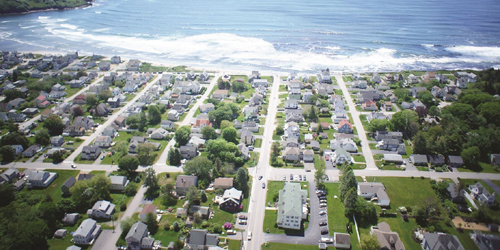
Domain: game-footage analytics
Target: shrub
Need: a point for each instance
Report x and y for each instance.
(166, 227)
(123, 207)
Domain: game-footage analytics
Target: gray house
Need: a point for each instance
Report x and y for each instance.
(183, 182)
(200, 239)
(90, 152)
(67, 185)
(374, 191)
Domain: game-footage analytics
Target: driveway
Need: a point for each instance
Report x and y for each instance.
(101, 241)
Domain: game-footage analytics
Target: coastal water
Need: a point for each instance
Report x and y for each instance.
(293, 35)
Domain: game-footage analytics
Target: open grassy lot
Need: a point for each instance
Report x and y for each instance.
(318, 161)
(258, 143)
(234, 244)
(54, 189)
(483, 168)
(405, 191)
(61, 244)
(336, 220)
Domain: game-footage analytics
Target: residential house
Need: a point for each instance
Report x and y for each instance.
(103, 141)
(485, 241)
(418, 159)
(398, 159)
(306, 96)
(130, 87)
(387, 106)
(57, 141)
(67, 185)
(116, 60)
(200, 239)
(90, 153)
(415, 90)
(436, 160)
(102, 110)
(389, 144)
(495, 159)
(183, 182)
(30, 111)
(133, 65)
(455, 194)
(294, 94)
(220, 94)
(190, 87)
(41, 102)
(149, 208)
(308, 138)
(480, 193)
(347, 144)
(291, 104)
(168, 125)
(246, 136)
(223, 183)
(308, 155)
(80, 99)
(231, 200)
(205, 108)
(374, 191)
(340, 156)
(291, 142)
(259, 82)
(188, 151)
(104, 66)
(134, 143)
(376, 78)
(370, 105)
(245, 152)
(345, 127)
(315, 145)
(173, 115)
(118, 183)
(291, 154)
(101, 209)
(441, 241)
(159, 134)
(120, 121)
(324, 76)
(15, 104)
(252, 77)
(84, 122)
(114, 102)
(387, 238)
(137, 237)
(381, 135)
(31, 151)
(375, 115)
(9, 175)
(87, 232)
(17, 148)
(204, 77)
(362, 84)
(110, 131)
(292, 206)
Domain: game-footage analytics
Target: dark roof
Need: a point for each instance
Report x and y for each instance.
(453, 159)
(442, 241)
(419, 158)
(436, 159)
(69, 182)
(137, 231)
(82, 177)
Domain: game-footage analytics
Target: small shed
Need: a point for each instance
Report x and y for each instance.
(60, 233)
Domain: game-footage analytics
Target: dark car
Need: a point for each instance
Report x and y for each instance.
(243, 217)
(327, 178)
(323, 223)
(263, 185)
(324, 231)
(260, 177)
(291, 177)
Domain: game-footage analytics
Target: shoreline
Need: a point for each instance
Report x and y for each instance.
(90, 4)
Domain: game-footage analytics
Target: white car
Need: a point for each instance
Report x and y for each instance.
(249, 236)
(322, 212)
(73, 166)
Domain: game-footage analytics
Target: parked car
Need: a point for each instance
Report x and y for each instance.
(249, 236)
(284, 177)
(322, 212)
(263, 185)
(327, 178)
(291, 177)
(323, 223)
(300, 177)
(243, 217)
(324, 231)
(260, 177)
(242, 222)
(230, 232)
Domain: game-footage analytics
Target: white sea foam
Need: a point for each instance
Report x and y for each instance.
(490, 53)
(69, 26)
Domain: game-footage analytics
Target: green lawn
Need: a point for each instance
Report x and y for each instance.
(336, 220)
(283, 96)
(359, 158)
(318, 162)
(54, 190)
(260, 132)
(405, 191)
(234, 244)
(483, 168)
(286, 246)
(273, 188)
(61, 244)
(258, 143)
(78, 160)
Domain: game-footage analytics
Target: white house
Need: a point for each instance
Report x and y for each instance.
(118, 182)
(87, 232)
(340, 156)
(101, 209)
(292, 206)
(173, 115)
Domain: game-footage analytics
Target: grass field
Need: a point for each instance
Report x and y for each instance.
(336, 220)
(234, 244)
(286, 246)
(483, 168)
(54, 189)
(258, 143)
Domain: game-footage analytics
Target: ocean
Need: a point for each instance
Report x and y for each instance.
(294, 35)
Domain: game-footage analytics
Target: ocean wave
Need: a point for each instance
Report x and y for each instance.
(69, 26)
(492, 53)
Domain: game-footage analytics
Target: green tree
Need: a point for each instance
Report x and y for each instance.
(280, 130)
(348, 181)
(121, 147)
(174, 157)
(168, 198)
(133, 121)
(143, 121)
(402, 94)
(208, 133)
(128, 163)
(420, 143)
(15, 138)
(105, 95)
(154, 115)
(12, 94)
(320, 174)
(350, 202)
(145, 153)
(182, 135)
(151, 182)
(193, 196)
(91, 100)
(238, 87)
(152, 223)
(203, 196)
(225, 151)
(402, 121)
(54, 125)
(126, 225)
(434, 111)
(131, 189)
(471, 157)
(426, 98)
(225, 124)
(200, 166)
(378, 125)
(58, 156)
(7, 194)
(241, 181)
(77, 111)
(230, 134)
(369, 242)
(491, 112)
(313, 114)
(8, 153)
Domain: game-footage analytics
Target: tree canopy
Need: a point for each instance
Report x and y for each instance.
(182, 135)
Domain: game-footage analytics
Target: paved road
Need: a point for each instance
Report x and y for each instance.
(109, 120)
(370, 163)
(257, 199)
(164, 155)
(131, 209)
